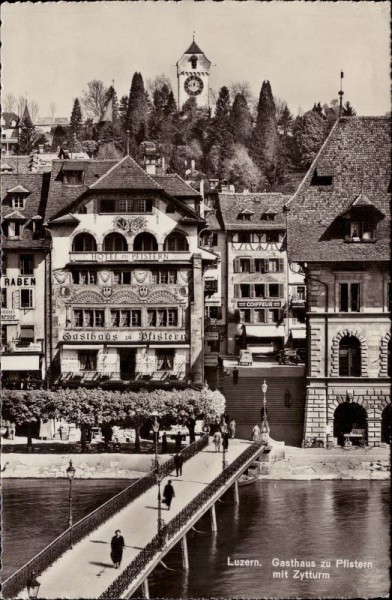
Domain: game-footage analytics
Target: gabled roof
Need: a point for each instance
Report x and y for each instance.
(357, 155)
(174, 185)
(67, 219)
(231, 205)
(126, 175)
(18, 189)
(16, 215)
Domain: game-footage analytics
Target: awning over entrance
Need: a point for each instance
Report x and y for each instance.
(82, 347)
(298, 334)
(264, 331)
(169, 345)
(23, 362)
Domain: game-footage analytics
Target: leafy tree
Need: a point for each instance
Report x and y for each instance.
(161, 125)
(265, 134)
(241, 171)
(76, 123)
(28, 135)
(286, 120)
(243, 88)
(24, 407)
(137, 112)
(309, 133)
(331, 115)
(241, 120)
(317, 108)
(59, 137)
(94, 98)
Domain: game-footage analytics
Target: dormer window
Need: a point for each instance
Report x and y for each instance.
(73, 177)
(362, 231)
(13, 229)
(245, 215)
(269, 215)
(18, 201)
(321, 180)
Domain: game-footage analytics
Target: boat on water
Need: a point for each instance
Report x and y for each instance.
(246, 479)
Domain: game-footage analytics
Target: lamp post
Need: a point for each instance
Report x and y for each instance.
(159, 476)
(224, 461)
(33, 586)
(70, 475)
(155, 429)
(264, 425)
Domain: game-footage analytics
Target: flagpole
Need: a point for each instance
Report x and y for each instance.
(341, 93)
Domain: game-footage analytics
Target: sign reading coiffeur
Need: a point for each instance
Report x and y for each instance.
(260, 304)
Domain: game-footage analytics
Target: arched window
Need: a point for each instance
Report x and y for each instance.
(115, 242)
(145, 242)
(386, 420)
(350, 357)
(176, 242)
(84, 242)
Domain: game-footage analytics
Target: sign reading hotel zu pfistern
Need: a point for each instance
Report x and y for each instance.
(260, 304)
(124, 336)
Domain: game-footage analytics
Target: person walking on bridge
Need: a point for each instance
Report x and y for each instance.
(217, 440)
(117, 545)
(168, 494)
(178, 462)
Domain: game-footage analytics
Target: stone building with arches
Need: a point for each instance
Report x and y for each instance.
(338, 229)
(127, 285)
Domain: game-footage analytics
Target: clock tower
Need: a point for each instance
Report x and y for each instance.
(193, 72)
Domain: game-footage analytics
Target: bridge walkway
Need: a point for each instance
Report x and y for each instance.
(86, 571)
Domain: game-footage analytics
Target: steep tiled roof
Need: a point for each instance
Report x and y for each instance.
(174, 185)
(231, 205)
(357, 154)
(34, 205)
(18, 164)
(61, 196)
(194, 49)
(126, 175)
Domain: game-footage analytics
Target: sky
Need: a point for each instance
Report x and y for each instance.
(51, 50)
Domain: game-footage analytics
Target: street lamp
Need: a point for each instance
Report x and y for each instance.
(155, 428)
(70, 475)
(224, 461)
(264, 435)
(159, 475)
(33, 586)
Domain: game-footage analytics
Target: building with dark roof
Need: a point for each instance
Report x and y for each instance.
(25, 279)
(127, 275)
(339, 231)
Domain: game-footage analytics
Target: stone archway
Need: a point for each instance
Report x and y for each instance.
(384, 355)
(386, 428)
(349, 416)
(335, 351)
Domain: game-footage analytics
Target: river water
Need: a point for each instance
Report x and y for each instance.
(275, 521)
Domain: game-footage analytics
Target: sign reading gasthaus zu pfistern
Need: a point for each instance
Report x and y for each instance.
(125, 336)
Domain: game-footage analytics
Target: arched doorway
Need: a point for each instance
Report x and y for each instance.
(348, 416)
(386, 425)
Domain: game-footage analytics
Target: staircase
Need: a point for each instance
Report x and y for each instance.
(244, 401)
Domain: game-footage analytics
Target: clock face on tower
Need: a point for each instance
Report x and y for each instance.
(193, 85)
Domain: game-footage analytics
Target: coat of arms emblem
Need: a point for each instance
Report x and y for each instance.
(107, 292)
(143, 292)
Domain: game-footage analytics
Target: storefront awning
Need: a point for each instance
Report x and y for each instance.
(298, 334)
(264, 331)
(82, 347)
(169, 345)
(23, 362)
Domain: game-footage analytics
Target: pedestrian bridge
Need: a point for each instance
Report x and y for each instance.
(86, 571)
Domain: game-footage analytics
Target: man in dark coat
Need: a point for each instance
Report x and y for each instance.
(117, 545)
(178, 462)
(178, 441)
(164, 443)
(168, 494)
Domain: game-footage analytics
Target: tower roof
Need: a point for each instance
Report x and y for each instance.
(194, 49)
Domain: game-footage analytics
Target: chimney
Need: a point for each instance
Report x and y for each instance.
(202, 188)
(150, 164)
(192, 164)
(41, 148)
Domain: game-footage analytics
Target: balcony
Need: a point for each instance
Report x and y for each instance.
(115, 380)
(256, 246)
(131, 257)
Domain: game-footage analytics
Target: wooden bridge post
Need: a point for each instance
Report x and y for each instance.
(146, 591)
(213, 519)
(236, 495)
(184, 548)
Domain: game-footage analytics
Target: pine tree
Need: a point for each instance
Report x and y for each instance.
(162, 112)
(122, 111)
(265, 138)
(241, 120)
(137, 112)
(28, 135)
(348, 110)
(76, 124)
(221, 136)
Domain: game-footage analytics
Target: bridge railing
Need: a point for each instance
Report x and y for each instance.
(118, 587)
(18, 580)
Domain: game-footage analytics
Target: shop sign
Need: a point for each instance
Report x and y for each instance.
(124, 336)
(211, 361)
(212, 335)
(9, 315)
(129, 256)
(260, 304)
(17, 281)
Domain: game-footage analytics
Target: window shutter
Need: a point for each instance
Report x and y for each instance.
(236, 290)
(16, 299)
(280, 292)
(266, 265)
(281, 265)
(236, 265)
(252, 265)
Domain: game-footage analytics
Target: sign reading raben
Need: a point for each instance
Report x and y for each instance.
(124, 336)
